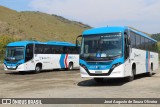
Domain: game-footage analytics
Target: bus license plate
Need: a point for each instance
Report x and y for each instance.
(98, 72)
(11, 67)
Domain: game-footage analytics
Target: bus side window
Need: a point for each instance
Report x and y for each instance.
(47, 49)
(29, 52)
(133, 39)
(138, 41)
(150, 45)
(142, 43)
(77, 50)
(146, 44)
(53, 50)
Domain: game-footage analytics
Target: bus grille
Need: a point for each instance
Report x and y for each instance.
(99, 63)
(11, 62)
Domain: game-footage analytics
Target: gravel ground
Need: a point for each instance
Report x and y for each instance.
(69, 84)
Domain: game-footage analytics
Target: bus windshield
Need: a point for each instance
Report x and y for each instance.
(102, 45)
(14, 53)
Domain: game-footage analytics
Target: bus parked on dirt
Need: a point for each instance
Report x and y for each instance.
(37, 56)
(117, 52)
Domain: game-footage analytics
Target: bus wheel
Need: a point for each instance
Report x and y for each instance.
(21, 72)
(131, 77)
(149, 74)
(99, 80)
(70, 67)
(37, 69)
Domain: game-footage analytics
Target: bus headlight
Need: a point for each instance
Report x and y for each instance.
(19, 64)
(115, 65)
(83, 66)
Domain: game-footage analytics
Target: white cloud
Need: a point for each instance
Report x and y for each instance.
(141, 14)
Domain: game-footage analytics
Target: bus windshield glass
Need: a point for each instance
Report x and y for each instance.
(102, 45)
(14, 53)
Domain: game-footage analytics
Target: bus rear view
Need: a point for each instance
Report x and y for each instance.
(107, 53)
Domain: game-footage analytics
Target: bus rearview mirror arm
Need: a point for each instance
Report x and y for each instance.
(77, 40)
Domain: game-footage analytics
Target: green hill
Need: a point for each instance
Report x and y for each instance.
(39, 26)
(156, 36)
(36, 26)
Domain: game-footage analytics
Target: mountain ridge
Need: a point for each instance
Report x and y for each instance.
(39, 26)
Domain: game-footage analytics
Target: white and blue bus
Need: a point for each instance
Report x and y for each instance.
(36, 56)
(117, 52)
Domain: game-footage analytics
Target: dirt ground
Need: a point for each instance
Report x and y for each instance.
(69, 84)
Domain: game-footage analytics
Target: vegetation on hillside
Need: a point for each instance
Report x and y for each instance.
(156, 36)
(4, 40)
(39, 26)
(36, 26)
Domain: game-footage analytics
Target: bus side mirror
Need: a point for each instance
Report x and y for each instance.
(77, 41)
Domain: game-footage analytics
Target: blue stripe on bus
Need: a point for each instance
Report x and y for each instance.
(61, 61)
(147, 61)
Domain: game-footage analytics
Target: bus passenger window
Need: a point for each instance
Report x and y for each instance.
(29, 52)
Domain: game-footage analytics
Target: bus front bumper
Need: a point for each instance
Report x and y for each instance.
(14, 68)
(117, 72)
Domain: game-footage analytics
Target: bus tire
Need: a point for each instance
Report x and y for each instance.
(99, 80)
(38, 69)
(70, 66)
(149, 74)
(131, 77)
(21, 72)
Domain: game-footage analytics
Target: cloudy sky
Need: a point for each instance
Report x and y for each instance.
(140, 14)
